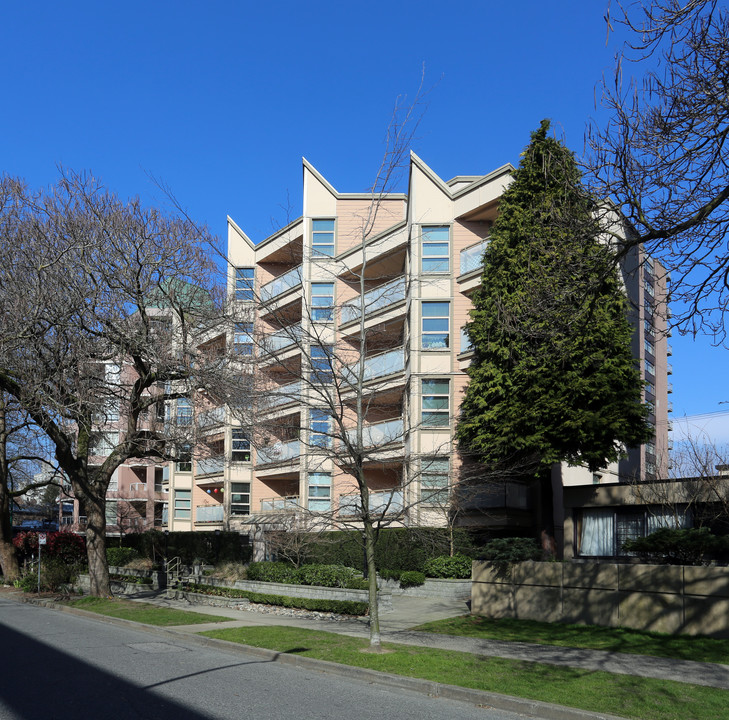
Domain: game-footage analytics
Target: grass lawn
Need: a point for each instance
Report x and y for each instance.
(143, 612)
(622, 695)
(682, 647)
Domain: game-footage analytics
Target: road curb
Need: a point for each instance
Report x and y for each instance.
(480, 698)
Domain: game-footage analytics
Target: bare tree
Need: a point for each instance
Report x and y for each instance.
(103, 305)
(663, 155)
(23, 457)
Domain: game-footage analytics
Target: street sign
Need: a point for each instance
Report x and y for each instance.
(41, 538)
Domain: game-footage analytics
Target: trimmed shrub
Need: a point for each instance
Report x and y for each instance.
(675, 546)
(344, 607)
(456, 567)
(273, 572)
(411, 578)
(120, 556)
(212, 549)
(504, 553)
(390, 574)
(325, 575)
(358, 583)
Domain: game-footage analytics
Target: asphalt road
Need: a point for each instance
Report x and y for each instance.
(58, 666)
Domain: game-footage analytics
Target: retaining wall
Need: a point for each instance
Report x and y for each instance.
(663, 598)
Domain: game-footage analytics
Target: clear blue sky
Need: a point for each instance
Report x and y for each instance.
(220, 100)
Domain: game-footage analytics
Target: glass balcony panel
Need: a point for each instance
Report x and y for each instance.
(380, 297)
(209, 513)
(209, 418)
(283, 338)
(387, 502)
(472, 258)
(278, 452)
(283, 394)
(280, 504)
(210, 466)
(377, 366)
(379, 433)
(281, 284)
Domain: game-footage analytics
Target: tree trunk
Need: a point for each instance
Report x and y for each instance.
(372, 588)
(96, 549)
(8, 556)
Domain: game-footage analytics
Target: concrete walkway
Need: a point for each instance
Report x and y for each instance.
(409, 612)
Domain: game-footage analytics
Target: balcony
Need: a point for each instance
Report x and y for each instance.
(209, 514)
(280, 504)
(278, 453)
(472, 258)
(669, 349)
(378, 434)
(210, 466)
(381, 297)
(382, 365)
(282, 395)
(383, 503)
(669, 369)
(281, 284)
(211, 418)
(284, 338)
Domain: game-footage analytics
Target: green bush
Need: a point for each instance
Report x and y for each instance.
(55, 572)
(390, 574)
(411, 578)
(358, 583)
(504, 553)
(120, 556)
(325, 575)
(211, 548)
(273, 572)
(344, 607)
(456, 567)
(675, 546)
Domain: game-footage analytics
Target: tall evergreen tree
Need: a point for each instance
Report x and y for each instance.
(553, 378)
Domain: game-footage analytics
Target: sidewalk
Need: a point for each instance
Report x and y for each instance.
(409, 612)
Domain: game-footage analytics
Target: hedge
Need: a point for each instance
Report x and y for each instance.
(343, 607)
(208, 547)
(456, 567)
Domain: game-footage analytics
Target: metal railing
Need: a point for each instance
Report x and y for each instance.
(375, 299)
(278, 452)
(281, 284)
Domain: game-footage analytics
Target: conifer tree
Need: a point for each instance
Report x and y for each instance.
(553, 378)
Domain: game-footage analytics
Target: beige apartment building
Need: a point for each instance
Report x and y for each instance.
(349, 333)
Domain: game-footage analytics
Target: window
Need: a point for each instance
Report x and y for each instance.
(320, 429)
(184, 459)
(320, 492)
(241, 446)
(434, 481)
(184, 412)
(322, 301)
(649, 331)
(321, 363)
(182, 504)
(435, 249)
(650, 389)
(650, 368)
(111, 512)
(322, 238)
(102, 443)
(240, 498)
(435, 325)
(435, 403)
(649, 347)
(243, 338)
(650, 447)
(244, 284)
(649, 289)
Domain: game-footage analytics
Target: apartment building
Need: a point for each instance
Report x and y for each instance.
(351, 342)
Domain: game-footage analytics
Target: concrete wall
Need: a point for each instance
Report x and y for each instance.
(663, 598)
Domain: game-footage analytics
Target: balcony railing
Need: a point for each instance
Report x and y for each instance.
(386, 502)
(281, 284)
(379, 434)
(282, 338)
(472, 258)
(280, 504)
(376, 299)
(278, 452)
(210, 466)
(209, 513)
(283, 395)
(376, 366)
(209, 418)
(669, 368)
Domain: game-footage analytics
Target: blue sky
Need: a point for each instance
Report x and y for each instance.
(220, 100)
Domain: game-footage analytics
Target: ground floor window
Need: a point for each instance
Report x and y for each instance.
(603, 532)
